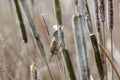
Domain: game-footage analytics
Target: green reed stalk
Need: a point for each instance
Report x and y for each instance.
(80, 44)
(110, 8)
(21, 21)
(97, 56)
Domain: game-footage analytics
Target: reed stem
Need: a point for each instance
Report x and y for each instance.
(21, 21)
(112, 52)
(112, 64)
(80, 45)
(97, 56)
(110, 8)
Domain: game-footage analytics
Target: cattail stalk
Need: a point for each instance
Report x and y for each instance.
(81, 47)
(110, 8)
(110, 60)
(79, 36)
(88, 17)
(21, 21)
(102, 18)
(97, 56)
(36, 35)
(98, 24)
(64, 51)
(99, 30)
(94, 43)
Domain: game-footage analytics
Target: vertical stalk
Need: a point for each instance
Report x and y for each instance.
(111, 37)
(88, 17)
(36, 35)
(80, 44)
(21, 22)
(107, 56)
(97, 56)
(94, 43)
(98, 26)
(64, 51)
(80, 41)
(110, 8)
(102, 17)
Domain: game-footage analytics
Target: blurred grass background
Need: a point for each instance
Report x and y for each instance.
(16, 56)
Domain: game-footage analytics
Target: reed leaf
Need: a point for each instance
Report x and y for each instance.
(21, 21)
(97, 56)
(58, 12)
(69, 64)
(80, 44)
(33, 27)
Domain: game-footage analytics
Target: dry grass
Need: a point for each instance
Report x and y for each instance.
(16, 56)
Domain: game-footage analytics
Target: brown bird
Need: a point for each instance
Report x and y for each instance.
(54, 45)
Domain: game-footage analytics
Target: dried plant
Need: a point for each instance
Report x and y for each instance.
(111, 62)
(102, 18)
(94, 43)
(88, 17)
(110, 8)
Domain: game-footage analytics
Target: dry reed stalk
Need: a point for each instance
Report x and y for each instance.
(94, 43)
(88, 17)
(102, 17)
(36, 35)
(110, 60)
(100, 35)
(60, 71)
(110, 8)
(98, 26)
(21, 21)
(33, 72)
